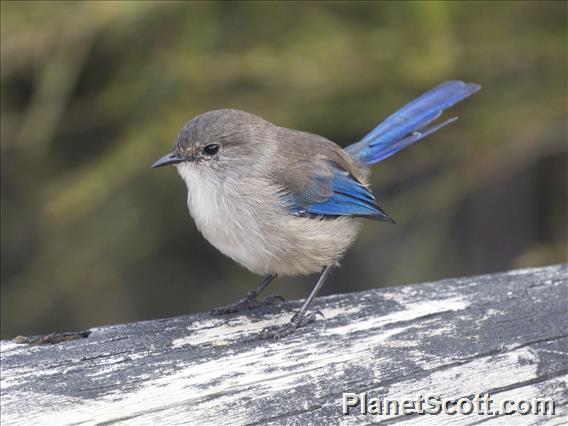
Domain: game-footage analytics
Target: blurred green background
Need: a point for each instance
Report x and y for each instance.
(94, 92)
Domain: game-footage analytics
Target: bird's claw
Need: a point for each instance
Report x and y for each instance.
(247, 303)
(297, 321)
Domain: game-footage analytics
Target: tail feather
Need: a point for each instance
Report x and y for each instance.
(407, 125)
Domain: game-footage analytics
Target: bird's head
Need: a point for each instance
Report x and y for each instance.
(222, 141)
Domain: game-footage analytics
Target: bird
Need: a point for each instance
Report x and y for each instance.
(284, 202)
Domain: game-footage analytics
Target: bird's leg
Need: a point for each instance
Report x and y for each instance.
(250, 301)
(300, 318)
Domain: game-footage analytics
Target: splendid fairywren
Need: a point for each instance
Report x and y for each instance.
(285, 202)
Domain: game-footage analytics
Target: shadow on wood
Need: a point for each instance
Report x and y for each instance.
(504, 334)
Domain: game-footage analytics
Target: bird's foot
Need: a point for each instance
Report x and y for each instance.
(247, 303)
(297, 321)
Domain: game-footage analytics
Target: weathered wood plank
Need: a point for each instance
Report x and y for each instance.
(505, 334)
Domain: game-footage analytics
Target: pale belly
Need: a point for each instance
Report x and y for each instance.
(264, 239)
(299, 246)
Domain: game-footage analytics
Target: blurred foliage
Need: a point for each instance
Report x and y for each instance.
(93, 92)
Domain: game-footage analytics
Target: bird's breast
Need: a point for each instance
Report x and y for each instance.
(246, 220)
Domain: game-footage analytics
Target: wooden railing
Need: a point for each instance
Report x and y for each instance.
(502, 334)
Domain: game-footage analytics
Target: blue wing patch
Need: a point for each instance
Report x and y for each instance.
(348, 197)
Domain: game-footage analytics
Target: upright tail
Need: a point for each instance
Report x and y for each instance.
(408, 124)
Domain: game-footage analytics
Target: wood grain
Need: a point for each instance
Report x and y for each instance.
(502, 333)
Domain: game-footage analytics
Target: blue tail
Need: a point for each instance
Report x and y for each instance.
(408, 124)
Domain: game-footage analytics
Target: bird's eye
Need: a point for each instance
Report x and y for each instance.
(211, 149)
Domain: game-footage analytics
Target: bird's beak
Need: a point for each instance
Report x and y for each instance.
(166, 160)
